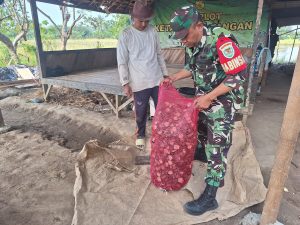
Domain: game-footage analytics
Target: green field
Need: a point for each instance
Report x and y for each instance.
(27, 50)
(54, 45)
(290, 42)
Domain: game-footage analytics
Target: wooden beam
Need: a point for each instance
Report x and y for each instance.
(1, 120)
(5, 84)
(285, 4)
(288, 21)
(92, 6)
(293, 44)
(109, 102)
(46, 89)
(38, 41)
(285, 150)
(87, 6)
(125, 104)
(37, 32)
(82, 85)
(255, 44)
(117, 106)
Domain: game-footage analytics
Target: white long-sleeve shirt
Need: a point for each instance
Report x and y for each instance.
(140, 62)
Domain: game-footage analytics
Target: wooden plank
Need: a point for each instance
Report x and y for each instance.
(17, 82)
(255, 44)
(125, 104)
(87, 6)
(38, 39)
(39, 45)
(117, 105)
(109, 102)
(1, 120)
(105, 81)
(110, 89)
(71, 62)
(286, 146)
(47, 92)
(285, 4)
(75, 51)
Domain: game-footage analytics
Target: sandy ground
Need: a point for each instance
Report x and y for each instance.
(37, 157)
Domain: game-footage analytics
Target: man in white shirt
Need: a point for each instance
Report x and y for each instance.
(141, 65)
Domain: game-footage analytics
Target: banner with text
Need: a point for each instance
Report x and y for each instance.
(237, 16)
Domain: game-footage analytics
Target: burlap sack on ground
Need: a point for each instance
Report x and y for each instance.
(109, 189)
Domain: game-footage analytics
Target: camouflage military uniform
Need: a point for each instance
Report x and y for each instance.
(215, 123)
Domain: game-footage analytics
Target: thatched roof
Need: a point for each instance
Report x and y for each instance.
(106, 6)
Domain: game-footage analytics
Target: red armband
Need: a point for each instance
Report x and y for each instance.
(230, 56)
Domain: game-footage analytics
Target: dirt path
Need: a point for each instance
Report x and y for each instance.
(37, 158)
(41, 151)
(37, 177)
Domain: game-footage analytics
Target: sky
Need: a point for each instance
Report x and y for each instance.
(54, 12)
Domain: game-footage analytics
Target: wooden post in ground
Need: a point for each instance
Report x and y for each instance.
(39, 46)
(1, 120)
(3, 128)
(254, 47)
(287, 142)
(293, 44)
(262, 72)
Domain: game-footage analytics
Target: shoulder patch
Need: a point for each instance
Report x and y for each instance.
(230, 56)
(227, 50)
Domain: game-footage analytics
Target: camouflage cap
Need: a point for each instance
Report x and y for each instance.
(182, 19)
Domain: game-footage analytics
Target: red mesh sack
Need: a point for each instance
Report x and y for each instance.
(173, 140)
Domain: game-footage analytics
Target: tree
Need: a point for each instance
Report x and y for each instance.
(98, 23)
(65, 31)
(14, 25)
(82, 31)
(107, 27)
(119, 23)
(48, 35)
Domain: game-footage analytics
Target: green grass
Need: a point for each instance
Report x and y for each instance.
(27, 50)
(290, 42)
(4, 55)
(55, 45)
(26, 53)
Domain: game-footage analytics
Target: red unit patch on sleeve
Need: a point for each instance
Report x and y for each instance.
(230, 56)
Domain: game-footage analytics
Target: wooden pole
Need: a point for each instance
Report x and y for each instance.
(262, 71)
(255, 44)
(285, 150)
(1, 120)
(293, 44)
(37, 32)
(39, 44)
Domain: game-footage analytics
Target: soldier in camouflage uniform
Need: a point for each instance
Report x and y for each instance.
(219, 71)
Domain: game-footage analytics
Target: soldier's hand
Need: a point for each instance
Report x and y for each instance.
(167, 80)
(127, 90)
(202, 102)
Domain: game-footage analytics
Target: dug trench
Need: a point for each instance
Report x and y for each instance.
(63, 130)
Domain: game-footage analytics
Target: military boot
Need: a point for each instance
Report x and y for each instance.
(206, 202)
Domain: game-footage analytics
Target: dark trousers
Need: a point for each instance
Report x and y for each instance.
(141, 102)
